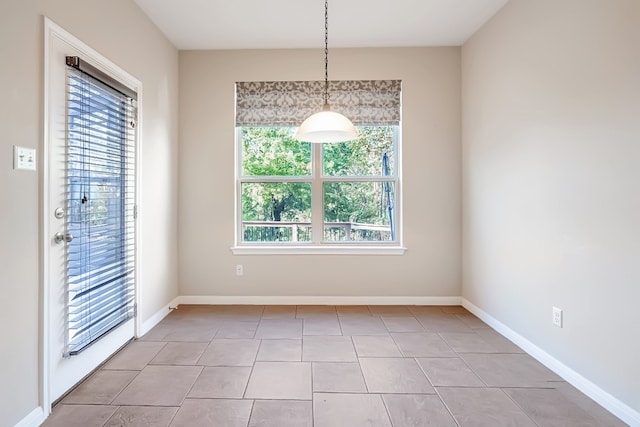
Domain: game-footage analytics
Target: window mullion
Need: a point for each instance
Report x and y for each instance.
(317, 209)
(358, 178)
(275, 179)
(238, 157)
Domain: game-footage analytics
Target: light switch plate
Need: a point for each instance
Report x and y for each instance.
(24, 158)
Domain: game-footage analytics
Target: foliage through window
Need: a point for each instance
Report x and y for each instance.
(301, 193)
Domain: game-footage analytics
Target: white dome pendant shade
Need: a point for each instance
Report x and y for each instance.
(326, 126)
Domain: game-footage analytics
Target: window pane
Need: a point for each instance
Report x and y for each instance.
(100, 270)
(272, 151)
(362, 157)
(276, 212)
(359, 211)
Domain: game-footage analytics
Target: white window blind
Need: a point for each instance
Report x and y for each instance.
(100, 260)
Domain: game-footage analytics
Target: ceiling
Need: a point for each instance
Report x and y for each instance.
(277, 24)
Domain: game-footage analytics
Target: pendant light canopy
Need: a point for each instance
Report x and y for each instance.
(327, 125)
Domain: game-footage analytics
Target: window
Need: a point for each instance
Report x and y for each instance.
(100, 194)
(303, 195)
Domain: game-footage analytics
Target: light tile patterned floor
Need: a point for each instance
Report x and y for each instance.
(304, 366)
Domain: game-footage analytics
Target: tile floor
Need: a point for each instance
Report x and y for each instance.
(324, 366)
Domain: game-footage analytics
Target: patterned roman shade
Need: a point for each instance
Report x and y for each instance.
(364, 102)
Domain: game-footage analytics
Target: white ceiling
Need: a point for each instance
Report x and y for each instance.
(265, 24)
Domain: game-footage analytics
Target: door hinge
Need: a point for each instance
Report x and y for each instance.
(135, 211)
(135, 310)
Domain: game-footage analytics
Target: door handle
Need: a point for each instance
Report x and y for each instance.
(62, 237)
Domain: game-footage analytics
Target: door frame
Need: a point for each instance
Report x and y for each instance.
(53, 32)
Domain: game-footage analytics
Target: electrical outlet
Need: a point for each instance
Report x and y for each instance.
(557, 317)
(239, 270)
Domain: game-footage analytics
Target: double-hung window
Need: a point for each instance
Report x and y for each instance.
(298, 196)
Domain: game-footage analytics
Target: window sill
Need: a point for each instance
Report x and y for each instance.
(317, 250)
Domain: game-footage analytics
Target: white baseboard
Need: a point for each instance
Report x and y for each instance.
(34, 419)
(606, 400)
(318, 300)
(148, 324)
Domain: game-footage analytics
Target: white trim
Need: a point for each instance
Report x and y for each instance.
(606, 400)
(52, 31)
(318, 250)
(98, 60)
(317, 300)
(148, 324)
(43, 393)
(34, 419)
(138, 198)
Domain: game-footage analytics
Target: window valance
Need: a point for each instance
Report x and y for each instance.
(365, 102)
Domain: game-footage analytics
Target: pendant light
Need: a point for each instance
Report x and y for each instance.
(327, 125)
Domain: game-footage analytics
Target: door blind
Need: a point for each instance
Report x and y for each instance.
(100, 198)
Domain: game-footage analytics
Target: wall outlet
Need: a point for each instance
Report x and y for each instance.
(557, 317)
(239, 270)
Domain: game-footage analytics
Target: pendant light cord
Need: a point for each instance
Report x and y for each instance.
(326, 55)
(326, 126)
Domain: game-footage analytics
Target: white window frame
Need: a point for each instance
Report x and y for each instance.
(317, 246)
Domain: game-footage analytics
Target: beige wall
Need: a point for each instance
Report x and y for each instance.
(431, 172)
(121, 32)
(549, 174)
(551, 181)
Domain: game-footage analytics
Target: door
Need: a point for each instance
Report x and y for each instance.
(89, 214)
